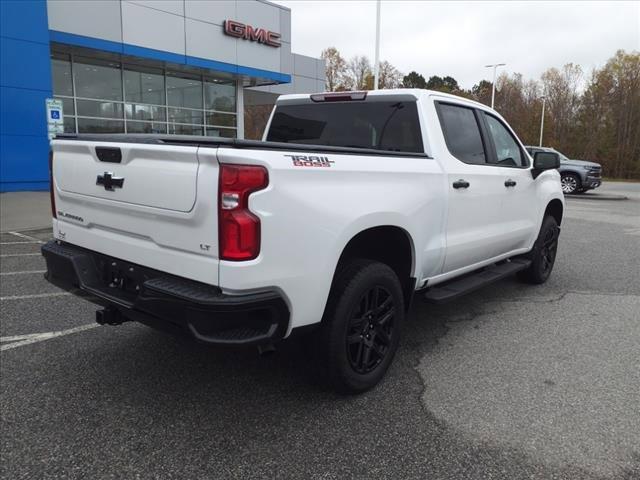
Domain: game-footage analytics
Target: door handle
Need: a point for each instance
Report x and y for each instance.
(510, 183)
(461, 184)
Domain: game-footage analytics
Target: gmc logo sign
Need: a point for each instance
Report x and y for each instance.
(260, 35)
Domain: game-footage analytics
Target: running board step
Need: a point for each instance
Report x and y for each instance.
(458, 287)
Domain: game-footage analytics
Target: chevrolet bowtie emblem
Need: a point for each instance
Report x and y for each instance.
(109, 181)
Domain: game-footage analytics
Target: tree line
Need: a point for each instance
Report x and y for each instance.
(594, 116)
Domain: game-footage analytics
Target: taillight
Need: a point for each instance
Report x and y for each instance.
(238, 228)
(52, 194)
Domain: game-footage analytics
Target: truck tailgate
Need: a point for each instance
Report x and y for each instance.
(161, 176)
(139, 202)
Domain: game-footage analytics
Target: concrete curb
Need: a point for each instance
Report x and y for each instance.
(597, 196)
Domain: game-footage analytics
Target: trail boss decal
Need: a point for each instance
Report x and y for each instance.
(310, 161)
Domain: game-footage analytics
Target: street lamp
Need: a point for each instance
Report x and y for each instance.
(493, 85)
(376, 68)
(544, 99)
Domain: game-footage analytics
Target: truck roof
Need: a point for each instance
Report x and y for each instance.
(391, 92)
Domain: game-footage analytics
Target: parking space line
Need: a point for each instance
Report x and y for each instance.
(20, 243)
(16, 338)
(36, 295)
(26, 237)
(40, 337)
(20, 255)
(24, 272)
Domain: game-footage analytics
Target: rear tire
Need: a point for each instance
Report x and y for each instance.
(361, 327)
(543, 254)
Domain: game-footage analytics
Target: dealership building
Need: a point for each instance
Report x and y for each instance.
(191, 67)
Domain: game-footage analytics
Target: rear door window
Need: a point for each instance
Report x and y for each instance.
(380, 125)
(462, 133)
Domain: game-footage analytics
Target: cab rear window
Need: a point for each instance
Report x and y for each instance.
(380, 125)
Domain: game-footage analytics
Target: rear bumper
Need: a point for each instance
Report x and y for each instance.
(167, 302)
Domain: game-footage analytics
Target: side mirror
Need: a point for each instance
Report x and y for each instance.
(544, 161)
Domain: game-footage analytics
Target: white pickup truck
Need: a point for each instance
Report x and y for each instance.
(353, 202)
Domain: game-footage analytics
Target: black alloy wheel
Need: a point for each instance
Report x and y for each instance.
(361, 327)
(548, 250)
(371, 329)
(543, 254)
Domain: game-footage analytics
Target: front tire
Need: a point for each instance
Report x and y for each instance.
(543, 254)
(570, 183)
(361, 327)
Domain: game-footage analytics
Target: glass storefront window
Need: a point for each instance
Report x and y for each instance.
(176, 129)
(146, 127)
(96, 125)
(184, 92)
(103, 96)
(91, 108)
(69, 124)
(98, 80)
(219, 96)
(221, 119)
(61, 73)
(221, 132)
(144, 87)
(67, 106)
(144, 112)
(182, 115)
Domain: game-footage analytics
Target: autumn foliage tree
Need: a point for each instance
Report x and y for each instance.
(594, 116)
(336, 69)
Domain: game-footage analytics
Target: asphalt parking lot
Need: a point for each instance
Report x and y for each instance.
(511, 382)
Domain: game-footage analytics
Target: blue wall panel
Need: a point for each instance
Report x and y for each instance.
(27, 164)
(24, 20)
(25, 64)
(25, 84)
(19, 109)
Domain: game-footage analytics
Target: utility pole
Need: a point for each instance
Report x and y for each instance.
(544, 99)
(376, 68)
(493, 84)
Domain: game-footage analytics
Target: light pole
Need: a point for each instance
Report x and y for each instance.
(493, 85)
(544, 99)
(376, 68)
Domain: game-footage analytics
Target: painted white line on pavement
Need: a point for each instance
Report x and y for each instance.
(24, 272)
(37, 295)
(20, 243)
(26, 237)
(21, 255)
(15, 338)
(40, 337)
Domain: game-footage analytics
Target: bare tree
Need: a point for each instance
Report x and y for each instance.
(336, 69)
(390, 76)
(561, 88)
(359, 68)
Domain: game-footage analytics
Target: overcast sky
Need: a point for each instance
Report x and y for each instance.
(459, 38)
